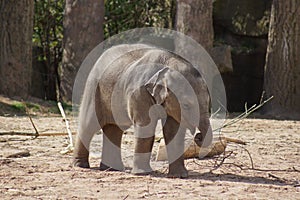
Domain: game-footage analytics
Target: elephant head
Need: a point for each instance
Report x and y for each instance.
(185, 97)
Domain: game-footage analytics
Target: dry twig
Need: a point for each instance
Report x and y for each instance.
(244, 114)
(242, 167)
(16, 133)
(70, 147)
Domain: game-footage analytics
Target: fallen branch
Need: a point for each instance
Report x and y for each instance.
(234, 121)
(66, 121)
(217, 147)
(244, 114)
(218, 165)
(31, 121)
(237, 141)
(70, 147)
(30, 118)
(242, 167)
(37, 133)
(16, 133)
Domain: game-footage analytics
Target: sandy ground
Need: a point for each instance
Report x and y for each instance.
(42, 172)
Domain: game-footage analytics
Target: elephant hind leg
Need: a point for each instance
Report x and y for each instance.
(81, 155)
(87, 128)
(111, 150)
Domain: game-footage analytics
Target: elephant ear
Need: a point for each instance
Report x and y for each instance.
(157, 86)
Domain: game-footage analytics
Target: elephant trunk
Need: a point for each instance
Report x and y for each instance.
(205, 136)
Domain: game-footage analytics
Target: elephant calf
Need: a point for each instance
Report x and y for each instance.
(137, 85)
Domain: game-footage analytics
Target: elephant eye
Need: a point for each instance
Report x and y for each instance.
(185, 106)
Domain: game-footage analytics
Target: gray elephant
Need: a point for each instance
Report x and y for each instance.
(137, 85)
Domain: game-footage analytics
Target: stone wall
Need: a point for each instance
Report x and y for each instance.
(243, 24)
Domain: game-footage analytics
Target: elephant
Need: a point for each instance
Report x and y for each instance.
(136, 85)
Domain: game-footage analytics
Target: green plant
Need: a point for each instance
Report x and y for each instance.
(48, 35)
(32, 106)
(19, 106)
(23, 106)
(122, 15)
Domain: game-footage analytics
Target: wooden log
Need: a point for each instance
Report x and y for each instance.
(217, 147)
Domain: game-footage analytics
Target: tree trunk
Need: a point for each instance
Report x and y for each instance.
(83, 30)
(16, 28)
(282, 70)
(194, 18)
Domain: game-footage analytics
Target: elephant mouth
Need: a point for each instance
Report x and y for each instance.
(198, 139)
(191, 125)
(202, 140)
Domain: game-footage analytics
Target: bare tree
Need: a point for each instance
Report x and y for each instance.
(282, 69)
(16, 27)
(83, 30)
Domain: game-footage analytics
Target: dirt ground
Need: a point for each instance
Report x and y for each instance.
(35, 168)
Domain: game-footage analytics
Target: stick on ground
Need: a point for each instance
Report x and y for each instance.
(61, 109)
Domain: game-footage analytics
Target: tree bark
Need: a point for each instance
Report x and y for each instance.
(282, 69)
(194, 18)
(16, 28)
(83, 30)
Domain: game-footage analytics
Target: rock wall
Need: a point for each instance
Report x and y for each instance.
(243, 24)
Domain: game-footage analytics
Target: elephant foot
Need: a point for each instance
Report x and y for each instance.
(177, 169)
(104, 167)
(178, 173)
(142, 171)
(141, 164)
(80, 163)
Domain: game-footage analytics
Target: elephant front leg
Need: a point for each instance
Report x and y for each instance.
(142, 151)
(111, 150)
(142, 155)
(174, 139)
